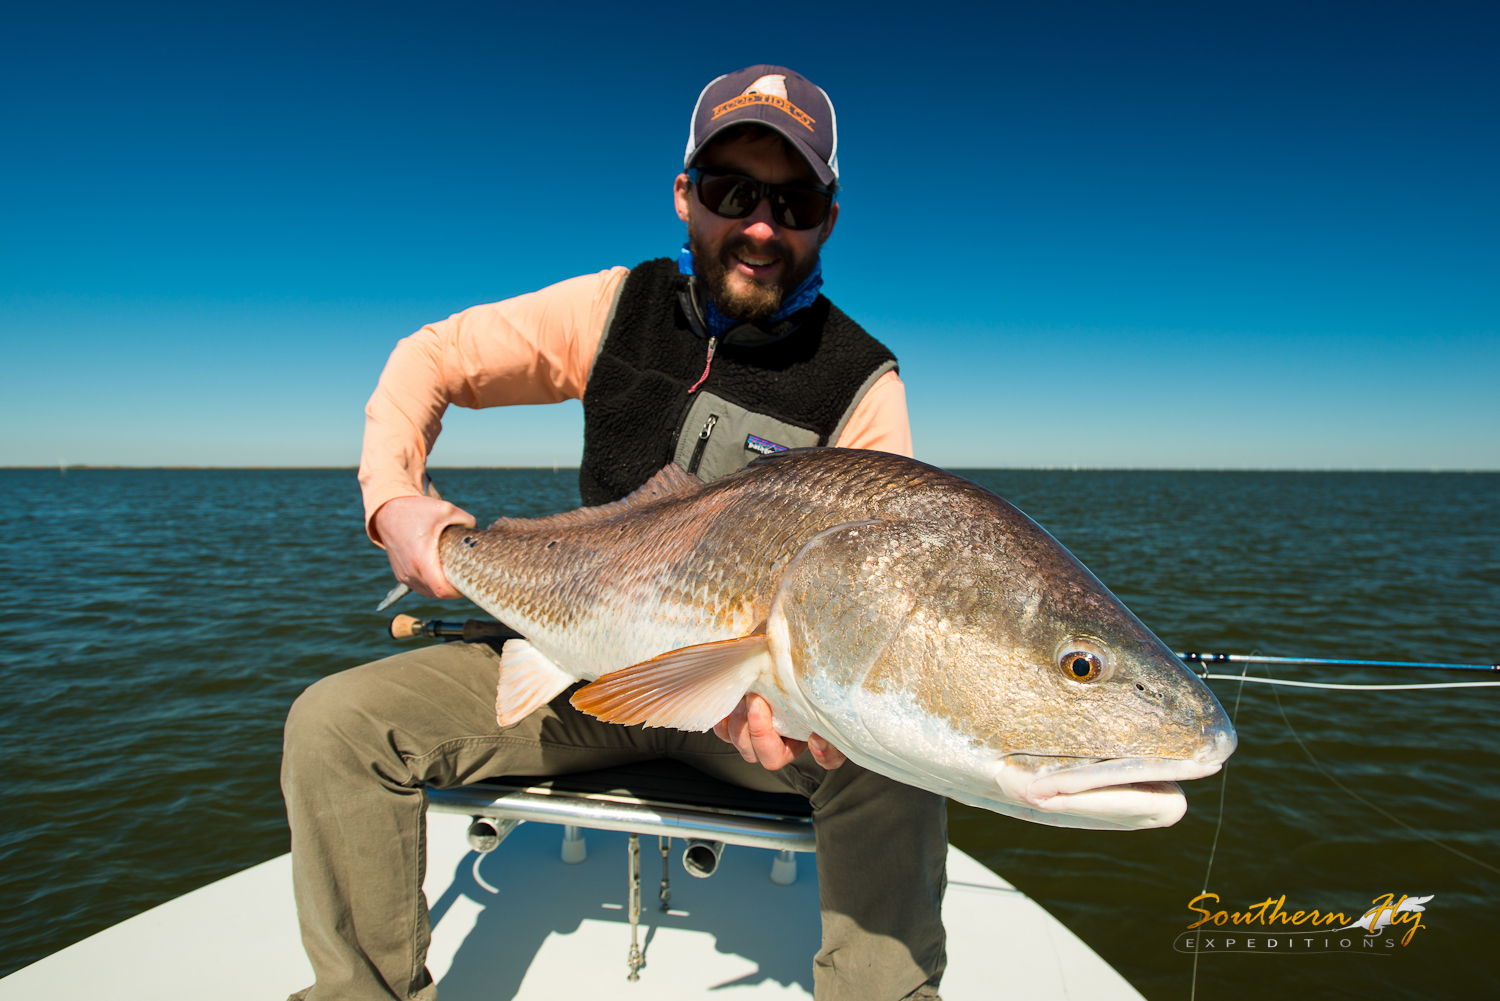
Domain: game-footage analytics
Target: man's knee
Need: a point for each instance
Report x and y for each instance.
(330, 715)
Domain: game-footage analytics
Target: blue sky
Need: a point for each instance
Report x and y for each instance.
(1195, 235)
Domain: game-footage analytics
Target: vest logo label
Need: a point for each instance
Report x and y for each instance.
(769, 89)
(763, 447)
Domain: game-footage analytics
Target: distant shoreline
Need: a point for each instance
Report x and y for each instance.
(574, 469)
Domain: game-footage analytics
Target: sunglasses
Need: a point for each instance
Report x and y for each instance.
(734, 196)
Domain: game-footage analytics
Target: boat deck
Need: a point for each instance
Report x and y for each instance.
(520, 923)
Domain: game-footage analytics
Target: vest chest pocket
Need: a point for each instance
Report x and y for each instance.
(717, 437)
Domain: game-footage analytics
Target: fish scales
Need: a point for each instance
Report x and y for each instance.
(918, 621)
(700, 563)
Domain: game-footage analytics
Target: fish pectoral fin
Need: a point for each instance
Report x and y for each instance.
(528, 681)
(687, 689)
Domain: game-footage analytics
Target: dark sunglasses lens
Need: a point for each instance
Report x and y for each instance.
(729, 196)
(801, 208)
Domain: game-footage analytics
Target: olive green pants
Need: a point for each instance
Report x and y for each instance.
(361, 745)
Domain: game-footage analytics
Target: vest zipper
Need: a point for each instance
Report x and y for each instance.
(713, 343)
(708, 429)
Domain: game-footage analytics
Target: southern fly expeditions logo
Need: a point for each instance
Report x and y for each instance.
(1269, 927)
(769, 89)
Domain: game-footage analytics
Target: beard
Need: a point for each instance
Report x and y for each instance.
(748, 301)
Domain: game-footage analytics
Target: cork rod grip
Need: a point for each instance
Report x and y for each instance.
(405, 627)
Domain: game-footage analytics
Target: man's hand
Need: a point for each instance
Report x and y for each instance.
(409, 527)
(749, 729)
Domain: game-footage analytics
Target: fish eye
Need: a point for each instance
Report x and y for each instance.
(1079, 665)
(1081, 660)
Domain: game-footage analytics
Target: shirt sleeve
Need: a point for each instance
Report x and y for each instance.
(534, 348)
(880, 421)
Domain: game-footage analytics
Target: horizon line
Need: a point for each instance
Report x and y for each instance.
(1037, 469)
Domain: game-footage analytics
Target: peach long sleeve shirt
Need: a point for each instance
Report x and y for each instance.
(534, 348)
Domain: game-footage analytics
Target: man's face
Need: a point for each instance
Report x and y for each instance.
(750, 265)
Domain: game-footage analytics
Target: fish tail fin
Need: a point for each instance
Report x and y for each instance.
(528, 681)
(687, 689)
(392, 596)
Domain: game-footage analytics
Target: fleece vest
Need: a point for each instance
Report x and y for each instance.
(767, 390)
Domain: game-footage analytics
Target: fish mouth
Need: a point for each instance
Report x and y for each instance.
(1126, 793)
(1114, 772)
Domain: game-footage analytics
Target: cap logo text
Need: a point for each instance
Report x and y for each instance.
(769, 89)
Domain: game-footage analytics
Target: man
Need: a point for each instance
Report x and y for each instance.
(727, 353)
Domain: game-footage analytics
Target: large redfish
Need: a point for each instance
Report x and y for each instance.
(921, 624)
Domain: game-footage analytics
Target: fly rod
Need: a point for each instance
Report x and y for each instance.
(407, 627)
(1198, 663)
(1192, 657)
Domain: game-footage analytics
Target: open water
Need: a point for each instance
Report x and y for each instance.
(158, 623)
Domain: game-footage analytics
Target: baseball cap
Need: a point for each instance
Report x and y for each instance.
(778, 98)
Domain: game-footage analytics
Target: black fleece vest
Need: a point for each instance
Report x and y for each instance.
(795, 391)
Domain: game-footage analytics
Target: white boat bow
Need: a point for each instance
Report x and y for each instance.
(520, 923)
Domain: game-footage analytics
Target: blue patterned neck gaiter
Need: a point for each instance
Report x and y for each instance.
(719, 324)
